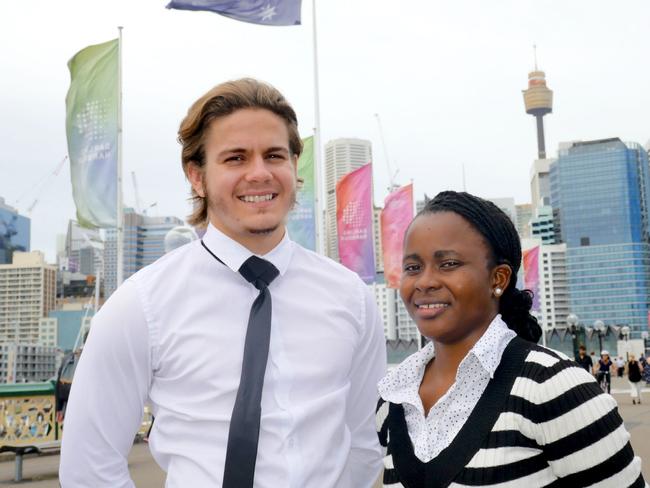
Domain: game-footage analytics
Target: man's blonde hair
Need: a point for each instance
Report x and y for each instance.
(220, 101)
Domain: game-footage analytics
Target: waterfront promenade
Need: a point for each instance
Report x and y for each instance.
(41, 471)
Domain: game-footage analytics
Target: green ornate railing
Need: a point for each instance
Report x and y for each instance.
(27, 420)
(27, 414)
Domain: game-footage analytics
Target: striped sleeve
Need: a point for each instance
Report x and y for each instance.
(576, 424)
(390, 477)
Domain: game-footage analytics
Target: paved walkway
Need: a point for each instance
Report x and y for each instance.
(41, 471)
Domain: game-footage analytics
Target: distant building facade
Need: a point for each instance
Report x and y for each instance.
(144, 242)
(15, 232)
(25, 363)
(27, 293)
(600, 190)
(64, 328)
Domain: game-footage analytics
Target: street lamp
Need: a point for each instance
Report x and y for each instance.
(599, 327)
(572, 320)
(625, 330)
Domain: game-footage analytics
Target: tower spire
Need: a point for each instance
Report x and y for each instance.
(538, 100)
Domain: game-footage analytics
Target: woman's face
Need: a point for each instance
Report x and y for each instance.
(448, 285)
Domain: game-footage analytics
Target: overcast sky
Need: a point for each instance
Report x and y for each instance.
(445, 77)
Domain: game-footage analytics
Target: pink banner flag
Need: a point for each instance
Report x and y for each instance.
(395, 218)
(531, 274)
(354, 222)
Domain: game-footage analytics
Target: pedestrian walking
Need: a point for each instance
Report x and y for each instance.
(645, 375)
(634, 378)
(620, 366)
(583, 360)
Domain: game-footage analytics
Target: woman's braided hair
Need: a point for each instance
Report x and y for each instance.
(503, 241)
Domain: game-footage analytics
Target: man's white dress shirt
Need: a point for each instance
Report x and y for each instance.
(433, 431)
(173, 335)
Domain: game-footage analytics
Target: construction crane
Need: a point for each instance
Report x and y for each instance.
(391, 175)
(42, 185)
(138, 204)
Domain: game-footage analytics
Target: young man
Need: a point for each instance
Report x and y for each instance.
(583, 360)
(181, 333)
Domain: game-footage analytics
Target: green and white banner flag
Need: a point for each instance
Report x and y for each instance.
(302, 219)
(91, 127)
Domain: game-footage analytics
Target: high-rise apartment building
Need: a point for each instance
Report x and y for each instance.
(385, 298)
(24, 363)
(600, 191)
(342, 156)
(553, 286)
(27, 293)
(65, 328)
(542, 225)
(519, 214)
(83, 252)
(14, 232)
(144, 242)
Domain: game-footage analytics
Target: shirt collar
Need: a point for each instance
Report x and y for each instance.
(233, 254)
(401, 383)
(489, 348)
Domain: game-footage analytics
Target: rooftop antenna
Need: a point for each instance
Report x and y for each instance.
(535, 54)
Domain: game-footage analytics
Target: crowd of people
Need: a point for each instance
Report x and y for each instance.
(637, 371)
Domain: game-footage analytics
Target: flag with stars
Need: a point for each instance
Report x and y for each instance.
(91, 128)
(265, 12)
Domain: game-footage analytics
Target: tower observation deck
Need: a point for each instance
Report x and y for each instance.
(539, 102)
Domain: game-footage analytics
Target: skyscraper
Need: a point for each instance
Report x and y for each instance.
(27, 293)
(14, 232)
(601, 192)
(341, 157)
(83, 249)
(144, 242)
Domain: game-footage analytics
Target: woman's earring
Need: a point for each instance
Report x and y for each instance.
(497, 292)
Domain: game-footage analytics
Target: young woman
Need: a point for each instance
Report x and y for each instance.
(634, 378)
(482, 404)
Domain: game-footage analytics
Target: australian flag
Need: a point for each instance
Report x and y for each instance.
(265, 12)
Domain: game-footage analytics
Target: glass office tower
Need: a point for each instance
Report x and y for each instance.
(600, 191)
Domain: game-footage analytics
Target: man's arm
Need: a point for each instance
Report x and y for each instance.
(369, 365)
(110, 386)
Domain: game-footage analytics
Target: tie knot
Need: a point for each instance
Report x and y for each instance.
(259, 272)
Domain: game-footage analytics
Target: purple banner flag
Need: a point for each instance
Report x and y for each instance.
(531, 274)
(264, 12)
(354, 222)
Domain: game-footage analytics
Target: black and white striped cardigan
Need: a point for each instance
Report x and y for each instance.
(542, 421)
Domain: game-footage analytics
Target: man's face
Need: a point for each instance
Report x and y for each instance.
(249, 177)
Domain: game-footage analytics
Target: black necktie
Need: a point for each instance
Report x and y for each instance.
(239, 470)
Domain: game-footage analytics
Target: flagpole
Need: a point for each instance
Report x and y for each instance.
(317, 158)
(120, 210)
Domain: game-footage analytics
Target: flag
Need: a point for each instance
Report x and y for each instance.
(354, 222)
(395, 218)
(302, 219)
(91, 127)
(531, 274)
(264, 12)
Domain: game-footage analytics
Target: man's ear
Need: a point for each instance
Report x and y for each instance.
(195, 175)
